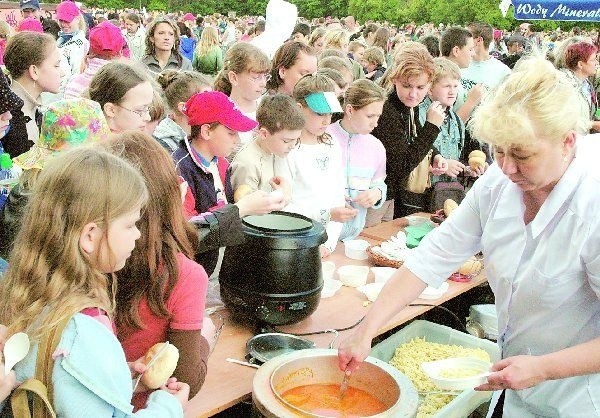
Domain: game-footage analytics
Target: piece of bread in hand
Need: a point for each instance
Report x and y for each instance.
(477, 159)
(159, 372)
(241, 191)
(449, 206)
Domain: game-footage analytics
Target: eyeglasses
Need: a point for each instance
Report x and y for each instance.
(261, 76)
(140, 112)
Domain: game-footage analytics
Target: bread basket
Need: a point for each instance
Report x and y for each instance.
(382, 261)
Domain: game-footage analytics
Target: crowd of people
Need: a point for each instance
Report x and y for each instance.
(139, 141)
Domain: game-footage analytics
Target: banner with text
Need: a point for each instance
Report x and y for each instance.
(574, 10)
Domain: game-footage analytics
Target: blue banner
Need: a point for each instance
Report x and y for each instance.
(573, 10)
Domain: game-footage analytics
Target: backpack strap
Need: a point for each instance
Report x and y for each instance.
(40, 386)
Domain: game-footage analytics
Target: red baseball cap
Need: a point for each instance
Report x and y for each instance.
(67, 11)
(188, 16)
(30, 24)
(214, 106)
(106, 40)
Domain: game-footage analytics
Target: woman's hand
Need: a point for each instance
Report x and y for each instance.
(342, 214)
(439, 165)
(454, 168)
(180, 390)
(368, 198)
(518, 372)
(352, 351)
(436, 114)
(260, 202)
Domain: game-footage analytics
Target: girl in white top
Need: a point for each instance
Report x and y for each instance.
(315, 167)
(244, 79)
(135, 34)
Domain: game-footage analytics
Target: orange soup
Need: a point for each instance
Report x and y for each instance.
(325, 400)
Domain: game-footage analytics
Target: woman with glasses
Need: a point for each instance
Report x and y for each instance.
(244, 79)
(162, 47)
(208, 56)
(125, 94)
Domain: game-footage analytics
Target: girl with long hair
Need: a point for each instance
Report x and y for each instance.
(162, 47)
(208, 56)
(80, 228)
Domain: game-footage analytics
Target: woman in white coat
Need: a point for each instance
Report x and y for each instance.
(533, 214)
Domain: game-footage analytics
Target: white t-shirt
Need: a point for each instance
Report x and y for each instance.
(490, 72)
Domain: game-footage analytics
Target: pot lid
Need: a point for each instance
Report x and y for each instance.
(279, 221)
(265, 347)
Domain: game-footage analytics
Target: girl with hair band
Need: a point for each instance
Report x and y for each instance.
(162, 47)
(135, 34)
(363, 155)
(178, 87)
(80, 228)
(161, 291)
(291, 62)
(33, 61)
(406, 141)
(208, 55)
(72, 40)
(244, 79)
(125, 94)
(314, 169)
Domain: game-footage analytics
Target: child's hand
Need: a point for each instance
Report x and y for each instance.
(208, 331)
(436, 114)
(180, 390)
(7, 382)
(479, 170)
(454, 168)
(439, 165)
(279, 183)
(368, 198)
(260, 202)
(342, 214)
(476, 94)
(324, 251)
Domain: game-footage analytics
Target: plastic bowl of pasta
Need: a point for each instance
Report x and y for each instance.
(459, 373)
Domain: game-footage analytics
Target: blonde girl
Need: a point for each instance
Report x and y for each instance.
(79, 228)
(178, 87)
(363, 155)
(315, 168)
(244, 79)
(208, 56)
(339, 39)
(315, 40)
(162, 291)
(72, 40)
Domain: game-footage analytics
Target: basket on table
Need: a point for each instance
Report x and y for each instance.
(380, 260)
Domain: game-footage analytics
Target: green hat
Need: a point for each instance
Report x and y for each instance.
(66, 124)
(323, 102)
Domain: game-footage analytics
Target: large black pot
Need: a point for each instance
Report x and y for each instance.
(275, 275)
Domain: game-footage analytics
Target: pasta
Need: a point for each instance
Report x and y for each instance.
(408, 358)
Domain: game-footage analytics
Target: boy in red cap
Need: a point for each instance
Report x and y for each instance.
(215, 124)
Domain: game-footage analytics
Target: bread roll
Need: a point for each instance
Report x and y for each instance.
(477, 154)
(471, 267)
(241, 191)
(449, 206)
(164, 366)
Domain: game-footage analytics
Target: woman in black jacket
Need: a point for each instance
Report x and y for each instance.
(406, 141)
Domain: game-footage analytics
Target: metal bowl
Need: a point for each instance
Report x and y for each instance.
(264, 347)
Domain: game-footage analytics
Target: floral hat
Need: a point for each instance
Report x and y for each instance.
(66, 124)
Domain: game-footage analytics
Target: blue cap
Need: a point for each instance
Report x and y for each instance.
(29, 4)
(323, 102)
